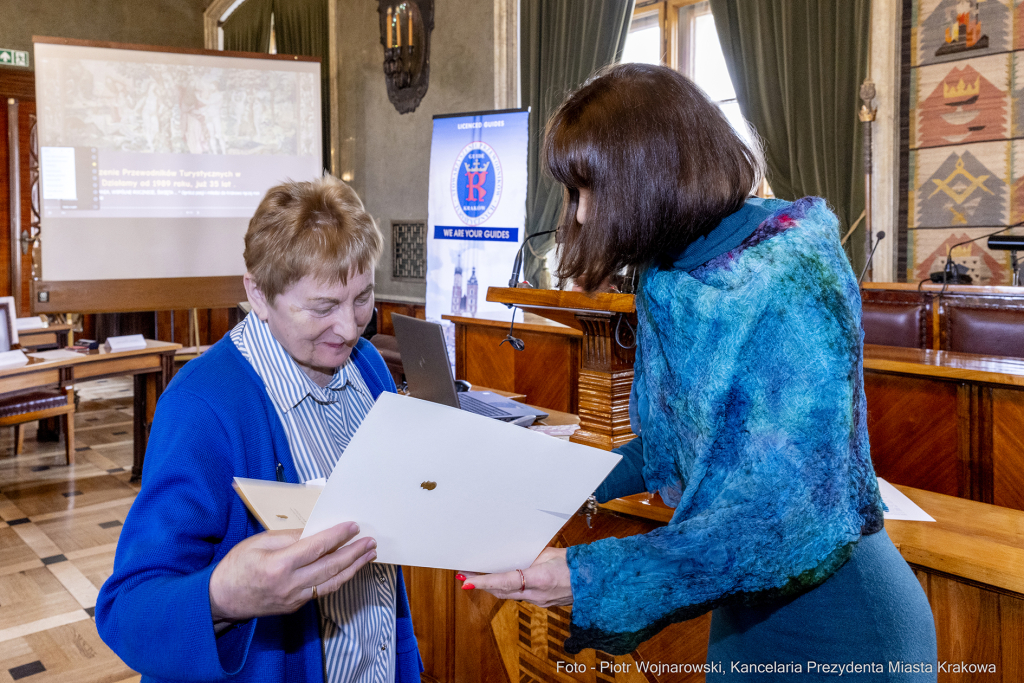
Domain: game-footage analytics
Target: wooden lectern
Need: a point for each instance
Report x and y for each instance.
(608, 324)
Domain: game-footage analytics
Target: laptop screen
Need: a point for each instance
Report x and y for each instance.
(425, 360)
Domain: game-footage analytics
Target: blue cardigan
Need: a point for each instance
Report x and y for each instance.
(215, 422)
(749, 401)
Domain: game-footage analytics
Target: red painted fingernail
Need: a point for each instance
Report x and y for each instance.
(468, 586)
(460, 577)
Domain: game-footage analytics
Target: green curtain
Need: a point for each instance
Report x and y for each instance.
(561, 44)
(797, 66)
(300, 28)
(247, 29)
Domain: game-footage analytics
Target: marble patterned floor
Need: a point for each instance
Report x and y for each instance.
(58, 530)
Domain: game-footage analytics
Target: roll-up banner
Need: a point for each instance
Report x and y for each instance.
(476, 215)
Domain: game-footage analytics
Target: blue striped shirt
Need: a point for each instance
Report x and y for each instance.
(357, 622)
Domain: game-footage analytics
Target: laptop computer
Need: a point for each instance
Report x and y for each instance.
(429, 374)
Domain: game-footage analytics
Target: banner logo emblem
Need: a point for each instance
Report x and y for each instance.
(476, 183)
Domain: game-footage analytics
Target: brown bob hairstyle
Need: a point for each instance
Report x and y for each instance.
(661, 162)
(316, 228)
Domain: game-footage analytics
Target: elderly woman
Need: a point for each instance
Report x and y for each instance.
(748, 404)
(198, 592)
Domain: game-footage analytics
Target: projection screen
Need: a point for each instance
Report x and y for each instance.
(152, 163)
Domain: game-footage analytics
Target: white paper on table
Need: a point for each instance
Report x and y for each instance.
(13, 359)
(33, 322)
(901, 507)
(55, 354)
(444, 488)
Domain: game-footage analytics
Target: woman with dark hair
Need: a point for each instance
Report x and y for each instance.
(748, 403)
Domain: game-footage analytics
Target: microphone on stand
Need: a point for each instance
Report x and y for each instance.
(517, 265)
(515, 342)
(956, 274)
(1012, 244)
(867, 264)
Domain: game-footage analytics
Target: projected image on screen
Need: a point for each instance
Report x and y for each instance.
(152, 162)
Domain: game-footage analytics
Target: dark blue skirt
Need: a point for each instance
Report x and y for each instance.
(871, 617)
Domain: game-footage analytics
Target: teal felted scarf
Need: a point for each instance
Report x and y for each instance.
(751, 409)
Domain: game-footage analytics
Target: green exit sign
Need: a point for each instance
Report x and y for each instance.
(13, 57)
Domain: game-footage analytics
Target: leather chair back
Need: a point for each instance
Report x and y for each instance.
(900, 318)
(974, 325)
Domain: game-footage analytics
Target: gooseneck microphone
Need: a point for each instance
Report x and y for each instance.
(867, 264)
(515, 342)
(517, 265)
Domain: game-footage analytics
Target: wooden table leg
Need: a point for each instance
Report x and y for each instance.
(140, 433)
(148, 388)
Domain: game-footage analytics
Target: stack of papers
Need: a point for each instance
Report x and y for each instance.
(31, 323)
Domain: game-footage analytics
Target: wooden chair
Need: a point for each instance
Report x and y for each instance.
(897, 318)
(38, 404)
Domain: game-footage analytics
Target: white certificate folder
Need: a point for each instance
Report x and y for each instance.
(441, 487)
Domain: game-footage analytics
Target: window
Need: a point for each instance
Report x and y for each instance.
(223, 17)
(692, 48)
(701, 58)
(682, 34)
(644, 42)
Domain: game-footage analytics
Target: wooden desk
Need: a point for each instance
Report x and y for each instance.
(546, 370)
(970, 563)
(55, 336)
(947, 422)
(940, 421)
(151, 368)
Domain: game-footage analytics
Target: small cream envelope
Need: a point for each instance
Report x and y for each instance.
(278, 505)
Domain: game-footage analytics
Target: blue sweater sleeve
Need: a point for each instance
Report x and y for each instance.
(170, 543)
(626, 479)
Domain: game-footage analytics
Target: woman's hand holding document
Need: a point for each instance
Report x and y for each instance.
(444, 488)
(272, 573)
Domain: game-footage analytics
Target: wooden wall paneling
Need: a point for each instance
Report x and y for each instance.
(17, 82)
(221, 322)
(203, 324)
(966, 627)
(545, 370)
(1008, 449)
(386, 308)
(89, 328)
(163, 325)
(26, 114)
(460, 351)
(181, 327)
(975, 438)
(495, 369)
(1011, 622)
(432, 600)
(477, 657)
(161, 294)
(5, 214)
(912, 423)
